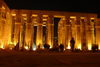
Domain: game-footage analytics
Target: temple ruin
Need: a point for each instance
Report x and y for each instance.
(33, 28)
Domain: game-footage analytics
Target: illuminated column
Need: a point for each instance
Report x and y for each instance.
(50, 31)
(23, 34)
(34, 30)
(39, 32)
(93, 31)
(5, 26)
(7, 32)
(88, 34)
(2, 25)
(68, 32)
(45, 21)
(16, 33)
(23, 30)
(92, 21)
(62, 32)
(73, 28)
(83, 33)
(78, 33)
(1, 44)
(13, 27)
(28, 33)
(32, 34)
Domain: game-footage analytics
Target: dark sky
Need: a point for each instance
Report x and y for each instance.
(59, 5)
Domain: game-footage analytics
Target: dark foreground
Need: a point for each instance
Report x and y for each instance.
(46, 59)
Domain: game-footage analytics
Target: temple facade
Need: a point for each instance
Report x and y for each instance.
(33, 28)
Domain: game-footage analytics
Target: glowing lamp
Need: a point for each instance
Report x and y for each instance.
(68, 47)
(26, 47)
(89, 47)
(34, 49)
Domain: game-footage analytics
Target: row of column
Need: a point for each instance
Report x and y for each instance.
(31, 34)
(5, 27)
(79, 28)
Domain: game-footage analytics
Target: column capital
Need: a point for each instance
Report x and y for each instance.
(50, 19)
(67, 19)
(88, 20)
(78, 20)
(40, 18)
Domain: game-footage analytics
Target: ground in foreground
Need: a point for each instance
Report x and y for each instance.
(48, 59)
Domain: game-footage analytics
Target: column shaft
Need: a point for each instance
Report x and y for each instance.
(39, 40)
(50, 29)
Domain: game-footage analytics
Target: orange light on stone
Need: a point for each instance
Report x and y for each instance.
(2, 46)
(26, 47)
(99, 46)
(44, 19)
(50, 44)
(13, 14)
(45, 15)
(89, 47)
(24, 15)
(82, 17)
(34, 49)
(92, 18)
(69, 47)
(79, 46)
(34, 15)
(73, 17)
(3, 7)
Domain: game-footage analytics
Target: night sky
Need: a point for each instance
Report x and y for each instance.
(56, 5)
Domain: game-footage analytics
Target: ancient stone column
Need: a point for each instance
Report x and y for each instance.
(39, 39)
(62, 32)
(32, 33)
(1, 28)
(78, 33)
(68, 32)
(13, 28)
(93, 31)
(50, 30)
(23, 31)
(28, 33)
(73, 27)
(83, 33)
